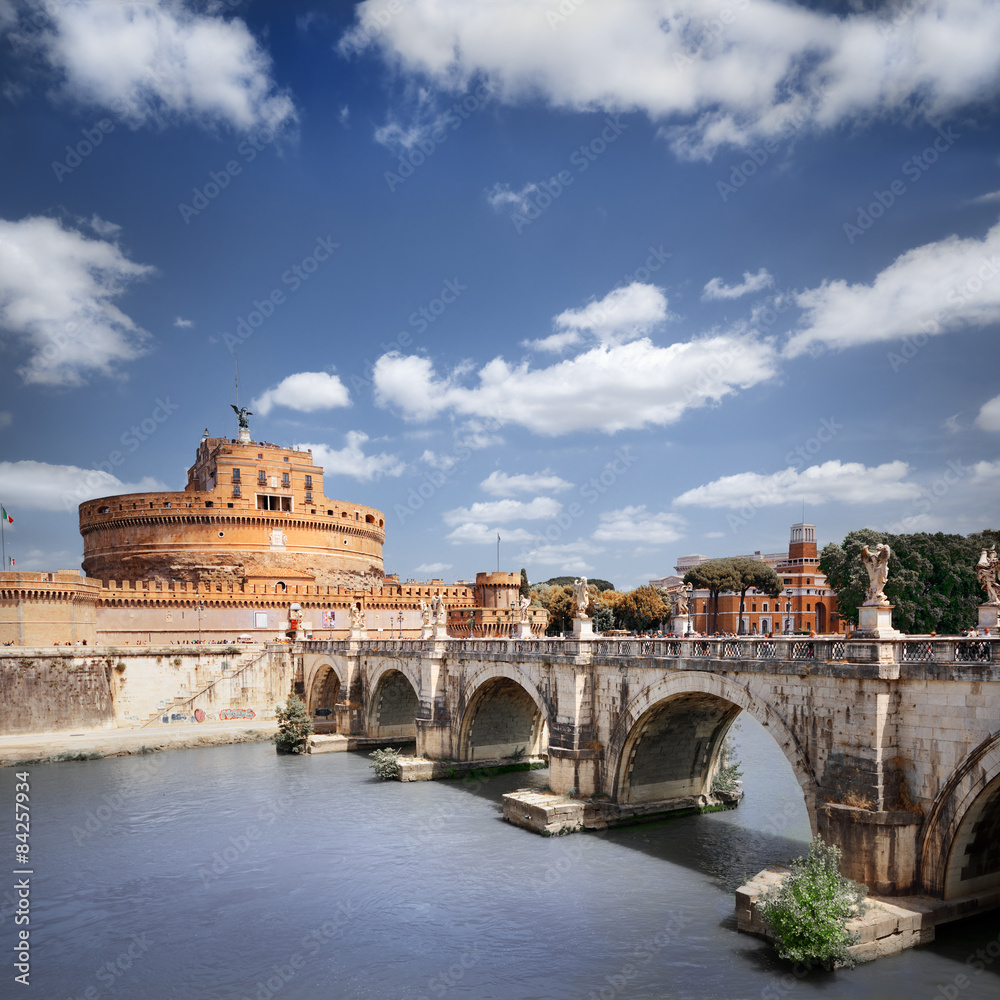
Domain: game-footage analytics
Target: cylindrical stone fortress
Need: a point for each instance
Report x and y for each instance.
(251, 512)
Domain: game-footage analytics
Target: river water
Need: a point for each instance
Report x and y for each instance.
(229, 872)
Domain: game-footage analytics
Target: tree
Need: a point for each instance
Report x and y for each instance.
(756, 574)
(715, 576)
(525, 590)
(294, 726)
(808, 912)
(561, 581)
(642, 609)
(932, 577)
(604, 619)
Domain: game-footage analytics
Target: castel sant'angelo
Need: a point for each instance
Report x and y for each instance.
(251, 534)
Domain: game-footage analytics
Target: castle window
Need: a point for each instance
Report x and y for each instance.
(309, 498)
(236, 475)
(809, 607)
(209, 503)
(237, 491)
(309, 482)
(285, 480)
(261, 477)
(286, 458)
(104, 510)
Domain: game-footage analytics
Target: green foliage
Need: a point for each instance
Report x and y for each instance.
(385, 763)
(808, 912)
(518, 754)
(562, 581)
(730, 769)
(604, 619)
(525, 590)
(715, 576)
(642, 609)
(294, 726)
(932, 578)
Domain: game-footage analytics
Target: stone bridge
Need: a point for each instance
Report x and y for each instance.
(894, 743)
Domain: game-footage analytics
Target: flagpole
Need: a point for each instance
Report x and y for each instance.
(3, 543)
(498, 551)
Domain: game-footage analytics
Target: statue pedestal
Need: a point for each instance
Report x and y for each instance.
(680, 624)
(426, 631)
(358, 633)
(439, 631)
(875, 622)
(522, 630)
(583, 628)
(988, 618)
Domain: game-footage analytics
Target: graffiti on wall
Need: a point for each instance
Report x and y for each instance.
(228, 714)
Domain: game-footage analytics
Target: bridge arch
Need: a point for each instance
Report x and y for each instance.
(694, 711)
(960, 848)
(503, 713)
(393, 702)
(324, 688)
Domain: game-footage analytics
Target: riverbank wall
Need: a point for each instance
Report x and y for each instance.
(82, 688)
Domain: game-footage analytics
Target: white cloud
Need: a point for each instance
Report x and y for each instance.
(936, 288)
(183, 323)
(607, 388)
(162, 62)
(352, 461)
(636, 524)
(6, 419)
(437, 567)
(773, 69)
(983, 472)
(716, 289)
(500, 196)
(41, 486)
(474, 533)
(571, 557)
(986, 198)
(499, 484)
(622, 315)
(849, 483)
(989, 415)
(502, 511)
(103, 228)
(305, 392)
(951, 424)
(57, 292)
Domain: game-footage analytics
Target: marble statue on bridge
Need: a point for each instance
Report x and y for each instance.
(877, 564)
(986, 570)
(581, 598)
(681, 600)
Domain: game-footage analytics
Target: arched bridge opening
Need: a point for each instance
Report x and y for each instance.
(324, 693)
(673, 750)
(394, 707)
(974, 860)
(502, 719)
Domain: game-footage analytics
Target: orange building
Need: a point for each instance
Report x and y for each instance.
(807, 604)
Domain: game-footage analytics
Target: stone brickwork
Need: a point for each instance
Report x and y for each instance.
(395, 707)
(41, 609)
(895, 744)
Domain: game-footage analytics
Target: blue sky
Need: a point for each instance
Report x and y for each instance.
(619, 281)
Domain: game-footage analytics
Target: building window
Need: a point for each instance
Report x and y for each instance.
(753, 607)
(309, 497)
(261, 477)
(285, 481)
(236, 475)
(236, 490)
(809, 607)
(309, 482)
(764, 606)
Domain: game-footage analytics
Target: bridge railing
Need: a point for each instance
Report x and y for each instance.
(904, 649)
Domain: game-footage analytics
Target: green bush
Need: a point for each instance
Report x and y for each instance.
(385, 763)
(808, 912)
(294, 726)
(730, 771)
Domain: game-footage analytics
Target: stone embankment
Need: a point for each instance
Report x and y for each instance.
(45, 747)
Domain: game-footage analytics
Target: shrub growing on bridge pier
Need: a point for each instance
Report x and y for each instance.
(809, 911)
(294, 726)
(385, 763)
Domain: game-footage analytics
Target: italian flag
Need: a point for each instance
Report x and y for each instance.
(6, 516)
